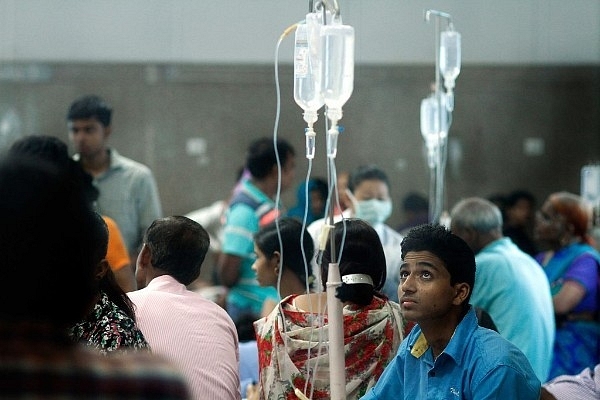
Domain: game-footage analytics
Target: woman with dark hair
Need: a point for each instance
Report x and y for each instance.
(293, 352)
(110, 325)
(286, 267)
(573, 269)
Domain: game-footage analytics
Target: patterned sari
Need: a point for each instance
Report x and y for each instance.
(292, 348)
(577, 343)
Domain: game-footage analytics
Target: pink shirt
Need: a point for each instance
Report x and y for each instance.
(195, 334)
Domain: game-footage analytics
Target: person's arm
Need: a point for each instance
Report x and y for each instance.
(581, 276)
(570, 294)
(508, 382)
(118, 257)
(229, 269)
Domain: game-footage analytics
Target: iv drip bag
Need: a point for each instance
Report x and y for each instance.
(337, 50)
(590, 184)
(434, 120)
(307, 66)
(449, 57)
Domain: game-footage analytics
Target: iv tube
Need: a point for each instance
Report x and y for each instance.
(337, 83)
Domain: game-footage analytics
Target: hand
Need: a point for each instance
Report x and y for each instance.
(252, 392)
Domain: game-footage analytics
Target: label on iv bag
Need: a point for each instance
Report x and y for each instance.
(301, 55)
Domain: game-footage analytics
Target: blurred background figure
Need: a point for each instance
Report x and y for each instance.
(519, 218)
(55, 151)
(415, 209)
(49, 246)
(317, 197)
(572, 266)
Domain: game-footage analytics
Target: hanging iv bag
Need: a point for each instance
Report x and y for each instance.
(590, 184)
(307, 65)
(450, 57)
(337, 56)
(434, 119)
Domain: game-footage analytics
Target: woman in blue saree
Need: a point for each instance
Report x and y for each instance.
(573, 269)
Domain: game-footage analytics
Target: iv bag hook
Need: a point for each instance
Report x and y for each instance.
(331, 5)
(437, 13)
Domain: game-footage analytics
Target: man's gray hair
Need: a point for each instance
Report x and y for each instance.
(478, 214)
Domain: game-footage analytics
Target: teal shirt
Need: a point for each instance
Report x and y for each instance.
(240, 226)
(513, 288)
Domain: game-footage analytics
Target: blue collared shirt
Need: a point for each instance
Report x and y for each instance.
(476, 364)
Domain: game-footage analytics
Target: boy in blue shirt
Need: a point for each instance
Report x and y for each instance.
(447, 355)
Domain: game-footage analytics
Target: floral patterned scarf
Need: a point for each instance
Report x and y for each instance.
(292, 346)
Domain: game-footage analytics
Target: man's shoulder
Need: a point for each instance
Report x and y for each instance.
(128, 164)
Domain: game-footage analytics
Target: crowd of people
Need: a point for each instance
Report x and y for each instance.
(505, 301)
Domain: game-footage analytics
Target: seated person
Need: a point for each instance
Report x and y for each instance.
(47, 244)
(110, 325)
(583, 386)
(290, 356)
(447, 355)
(288, 269)
(192, 332)
(55, 151)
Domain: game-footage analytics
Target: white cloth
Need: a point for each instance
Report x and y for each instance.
(193, 333)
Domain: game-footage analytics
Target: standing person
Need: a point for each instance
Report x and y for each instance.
(47, 242)
(251, 207)
(507, 276)
(128, 191)
(290, 355)
(447, 355)
(192, 332)
(573, 269)
(369, 194)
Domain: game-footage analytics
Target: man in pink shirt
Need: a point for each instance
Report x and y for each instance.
(193, 333)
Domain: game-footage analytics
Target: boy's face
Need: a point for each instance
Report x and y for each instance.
(425, 292)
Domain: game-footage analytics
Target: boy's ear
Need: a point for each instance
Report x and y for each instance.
(462, 291)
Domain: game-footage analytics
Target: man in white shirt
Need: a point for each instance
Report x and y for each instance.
(192, 332)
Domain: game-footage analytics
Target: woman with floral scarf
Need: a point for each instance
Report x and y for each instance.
(292, 340)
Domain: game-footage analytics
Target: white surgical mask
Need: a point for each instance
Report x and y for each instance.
(373, 211)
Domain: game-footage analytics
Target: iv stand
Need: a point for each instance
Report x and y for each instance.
(436, 195)
(337, 363)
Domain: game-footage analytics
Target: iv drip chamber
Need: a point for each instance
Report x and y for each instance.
(337, 56)
(307, 74)
(450, 57)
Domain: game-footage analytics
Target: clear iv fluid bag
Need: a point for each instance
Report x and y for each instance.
(434, 120)
(337, 50)
(307, 67)
(450, 56)
(590, 184)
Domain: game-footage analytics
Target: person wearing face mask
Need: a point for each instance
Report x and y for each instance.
(368, 191)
